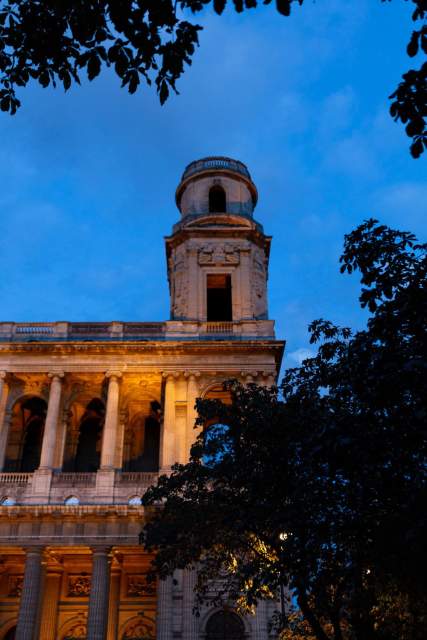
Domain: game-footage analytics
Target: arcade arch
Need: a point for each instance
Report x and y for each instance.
(24, 442)
(225, 625)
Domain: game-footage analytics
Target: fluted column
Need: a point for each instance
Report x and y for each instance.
(4, 426)
(51, 423)
(260, 622)
(111, 425)
(49, 617)
(192, 394)
(30, 598)
(164, 609)
(190, 623)
(167, 452)
(99, 592)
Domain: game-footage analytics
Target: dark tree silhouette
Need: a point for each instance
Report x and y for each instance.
(52, 42)
(321, 488)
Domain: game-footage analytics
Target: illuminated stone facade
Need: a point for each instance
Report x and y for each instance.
(91, 413)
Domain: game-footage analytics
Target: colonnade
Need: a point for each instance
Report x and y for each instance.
(32, 593)
(175, 444)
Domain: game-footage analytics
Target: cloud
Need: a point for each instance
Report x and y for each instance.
(301, 354)
(403, 204)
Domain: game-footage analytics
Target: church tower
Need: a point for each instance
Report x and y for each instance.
(218, 254)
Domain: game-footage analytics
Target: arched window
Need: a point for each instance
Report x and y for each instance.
(225, 625)
(25, 438)
(88, 453)
(10, 635)
(217, 200)
(142, 441)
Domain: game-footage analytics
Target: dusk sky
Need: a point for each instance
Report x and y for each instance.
(88, 177)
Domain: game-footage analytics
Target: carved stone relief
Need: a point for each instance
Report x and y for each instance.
(78, 586)
(15, 586)
(219, 254)
(139, 629)
(137, 586)
(179, 282)
(259, 283)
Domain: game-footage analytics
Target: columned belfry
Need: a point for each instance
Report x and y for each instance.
(92, 412)
(218, 254)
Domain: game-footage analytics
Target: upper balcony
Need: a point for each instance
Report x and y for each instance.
(134, 331)
(72, 488)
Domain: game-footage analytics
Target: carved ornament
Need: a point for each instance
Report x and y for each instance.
(78, 586)
(217, 254)
(15, 586)
(137, 586)
(140, 629)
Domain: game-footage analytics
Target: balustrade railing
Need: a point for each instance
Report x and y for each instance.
(17, 478)
(225, 328)
(73, 479)
(137, 478)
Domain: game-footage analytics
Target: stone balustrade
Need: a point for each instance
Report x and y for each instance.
(133, 331)
(20, 487)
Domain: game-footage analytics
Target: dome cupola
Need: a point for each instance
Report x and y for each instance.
(216, 185)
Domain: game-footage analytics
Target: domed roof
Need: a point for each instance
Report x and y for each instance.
(212, 165)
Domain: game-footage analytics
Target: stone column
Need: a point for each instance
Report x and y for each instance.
(260, 622)
(167, 449)
(164, 609)
(49, 617)
(30, 598)
(99, 592)
(4, 425)
(192, 394)
(111, 424)
(51, 423)
(190, 623)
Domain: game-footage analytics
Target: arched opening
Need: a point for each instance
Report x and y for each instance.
(217, 200)
(10, 635)
(24, 443)
(225, 625)
(88, 452)
(142, 441)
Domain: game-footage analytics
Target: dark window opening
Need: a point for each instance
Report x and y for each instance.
(225, 625)
(88, 453)
(26, 436)
(219, 301)
(142, 441)
(217, 200)
(10, 635)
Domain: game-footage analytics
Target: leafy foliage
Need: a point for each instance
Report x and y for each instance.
(146, 40)
(319, 486)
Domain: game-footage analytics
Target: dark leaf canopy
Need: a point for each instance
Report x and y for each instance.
(147, 40)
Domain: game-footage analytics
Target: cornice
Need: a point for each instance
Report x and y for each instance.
(166, 347)
(70, 511)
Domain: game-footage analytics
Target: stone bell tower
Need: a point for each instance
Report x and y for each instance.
(217, 255)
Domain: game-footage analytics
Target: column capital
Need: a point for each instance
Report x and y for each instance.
(56, 375)
(3, 375)
(192, 374)
(113, 373)
(171, 374)
(249, 375)
(101, 549)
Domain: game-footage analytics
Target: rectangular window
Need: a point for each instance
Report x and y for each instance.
(219, 302)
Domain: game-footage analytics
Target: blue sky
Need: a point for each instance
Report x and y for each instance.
(88, 177)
